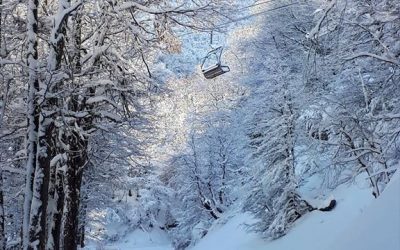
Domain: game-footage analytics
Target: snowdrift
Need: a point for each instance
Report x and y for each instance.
(378, 227)
(359, 222)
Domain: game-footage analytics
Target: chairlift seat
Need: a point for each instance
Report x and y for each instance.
(214, 70)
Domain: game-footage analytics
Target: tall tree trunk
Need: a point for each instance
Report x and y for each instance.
(56, 231)
(3, 102)
(51, 208)
(55, 211)
(38, 218)
(77, 155)
(77, 159)
(3, 239)
(56, 53)
(82, 221)
(33, 114)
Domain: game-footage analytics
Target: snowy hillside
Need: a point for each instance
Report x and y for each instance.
(378, 226)
(359, 222)
(138, 240)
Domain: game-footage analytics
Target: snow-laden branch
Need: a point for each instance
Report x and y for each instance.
(387, 117)
(58, 158)
(365, 149)
(155, 11)
(93, 57)
(102, 99)
(367, 54)
(391, 169)
(61, 17)
(14, 170)
(313, 34)
(8, 62)
(108, 115)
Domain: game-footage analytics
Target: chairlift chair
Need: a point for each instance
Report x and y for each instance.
(211, 66)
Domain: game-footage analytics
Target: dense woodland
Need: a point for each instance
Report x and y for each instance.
(98, 110)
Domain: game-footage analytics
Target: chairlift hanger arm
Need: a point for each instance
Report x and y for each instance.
(217, 52)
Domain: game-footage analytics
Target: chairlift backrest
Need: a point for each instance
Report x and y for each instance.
(211, 66)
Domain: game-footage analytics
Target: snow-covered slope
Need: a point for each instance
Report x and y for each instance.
(138, 240)
(378, 227)
(357, 223)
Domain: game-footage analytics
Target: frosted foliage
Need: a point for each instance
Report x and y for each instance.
(154, 206)
(356, 72)
(89, 97)
(200, 154)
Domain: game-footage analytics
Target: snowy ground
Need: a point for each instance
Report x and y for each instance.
(137, 240)
(359, 222)
(378, 227)
(314, 231)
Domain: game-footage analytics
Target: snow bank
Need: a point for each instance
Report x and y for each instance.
(359, 222)
(378, 227)
(154, 240)
(315, 231)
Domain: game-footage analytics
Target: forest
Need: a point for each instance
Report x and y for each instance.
(180, 116)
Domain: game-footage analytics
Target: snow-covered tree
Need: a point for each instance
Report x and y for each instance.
(270, 113)
(197, 152)
(90, 74)
(273, 197)
(355, 63)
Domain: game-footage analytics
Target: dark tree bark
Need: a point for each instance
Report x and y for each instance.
(33, 123)
(56, 192)
(77, 155)
(2, 110)
(38, 214)
(82, 221)
(57, 52)
(77, 159)
(2, 217)
(56, 231)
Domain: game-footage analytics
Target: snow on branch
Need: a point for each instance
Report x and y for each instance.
(7, 62)
(99, 99)
(99, 83)
(366, 54)
(62, 16)
(108, 115)
(58, 158)
(97, 52)
(155, 11)
(313, 34)
(14, 170)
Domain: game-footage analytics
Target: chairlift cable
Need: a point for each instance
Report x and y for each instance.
(218, 69)
(253, 15)
(256, 4)
(247, 17)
